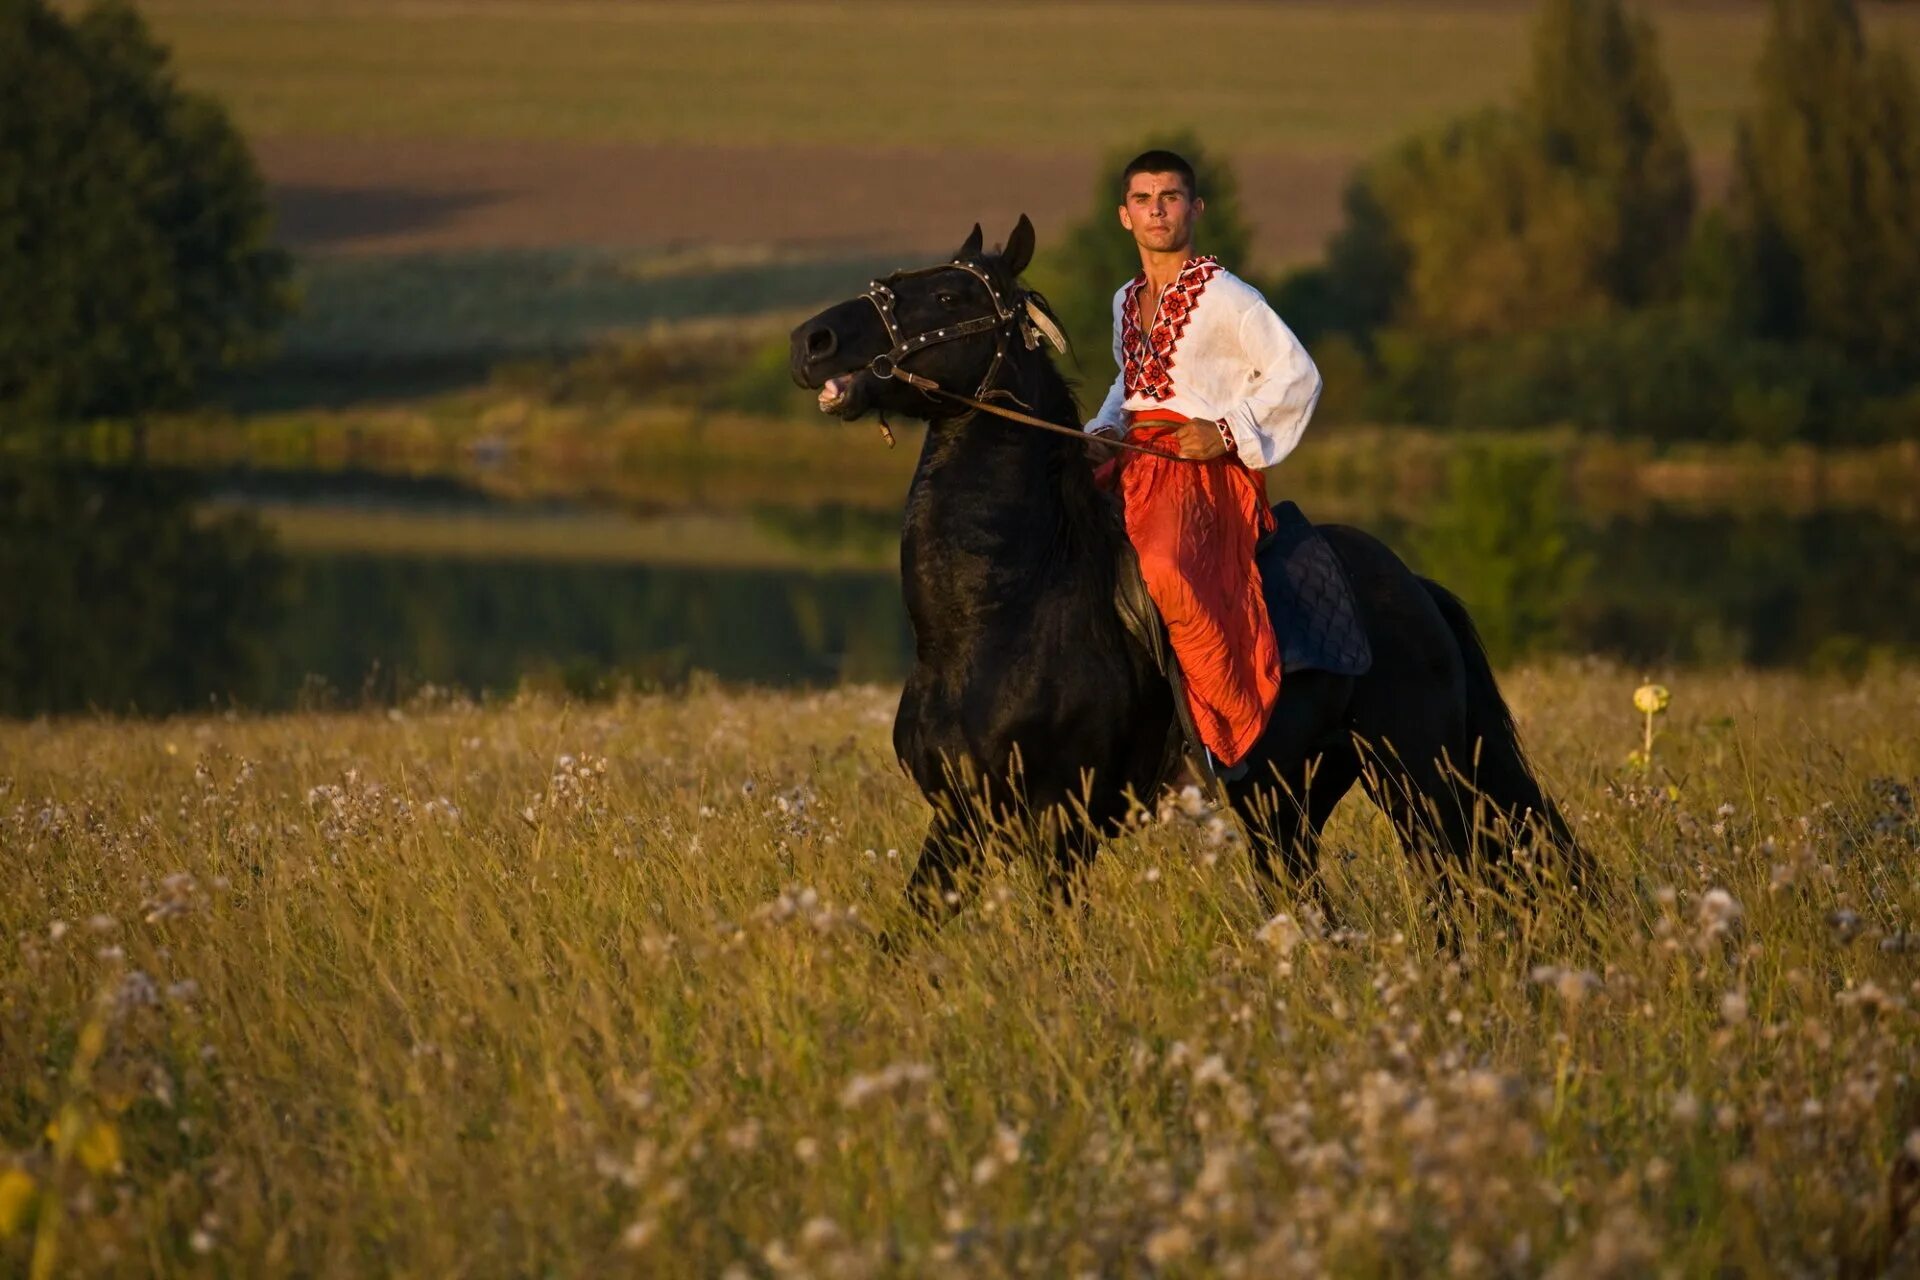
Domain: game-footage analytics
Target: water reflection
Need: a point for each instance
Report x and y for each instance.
(129, 591)
(380, 626)
(1832, 590)
(119, 597)
(834, 528)
(1503, 539)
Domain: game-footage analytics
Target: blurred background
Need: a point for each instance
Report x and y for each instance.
(351, 352)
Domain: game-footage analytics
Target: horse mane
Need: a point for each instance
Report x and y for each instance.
(1092, 518)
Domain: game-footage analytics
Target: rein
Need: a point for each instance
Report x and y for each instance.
(1024, 315)
(931, 387)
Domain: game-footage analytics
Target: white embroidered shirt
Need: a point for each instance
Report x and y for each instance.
(1214, 350)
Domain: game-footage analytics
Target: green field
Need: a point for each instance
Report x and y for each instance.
(538, 988)
(1302, 78)
(412, 325)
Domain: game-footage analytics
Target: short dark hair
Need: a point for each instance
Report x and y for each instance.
(1159, 161)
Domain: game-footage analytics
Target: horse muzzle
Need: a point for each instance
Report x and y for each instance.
(847, 396)
(836, 394)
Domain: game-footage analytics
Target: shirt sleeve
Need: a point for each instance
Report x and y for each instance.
(1112, 416)
(1281, 394)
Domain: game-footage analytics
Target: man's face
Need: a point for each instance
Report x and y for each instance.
(1160, 212)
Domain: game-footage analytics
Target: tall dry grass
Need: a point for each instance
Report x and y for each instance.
(545, 989)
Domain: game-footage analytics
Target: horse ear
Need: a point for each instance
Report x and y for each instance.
(971, 249)
(1019, 251)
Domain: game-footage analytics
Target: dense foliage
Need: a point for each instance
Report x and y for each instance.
(1543, 262)
(1575, 204)
(134, 251)
(1827, 191)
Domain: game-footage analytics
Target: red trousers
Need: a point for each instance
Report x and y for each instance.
(1194, 529)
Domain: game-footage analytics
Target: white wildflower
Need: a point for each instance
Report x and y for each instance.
(1719, 912)
(899, 1076)
(1282, 934)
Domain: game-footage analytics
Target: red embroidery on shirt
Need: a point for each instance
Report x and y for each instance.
(1149, 357)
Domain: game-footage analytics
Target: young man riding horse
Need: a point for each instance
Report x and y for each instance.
(1209, 373)
(1035, 703)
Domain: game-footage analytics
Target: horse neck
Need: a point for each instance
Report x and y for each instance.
(1014, 498)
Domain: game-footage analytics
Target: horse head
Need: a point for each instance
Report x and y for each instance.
(952, 326)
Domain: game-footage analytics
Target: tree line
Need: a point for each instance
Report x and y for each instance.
(1550, 260)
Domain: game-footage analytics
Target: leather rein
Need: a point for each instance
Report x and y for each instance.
(1024, 315)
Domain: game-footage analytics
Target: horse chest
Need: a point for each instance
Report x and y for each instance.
(1033, 690)
(1020, 657)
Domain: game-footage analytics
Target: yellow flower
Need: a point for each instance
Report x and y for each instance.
(98, 1145)
(16, 1196)
(1651, 699)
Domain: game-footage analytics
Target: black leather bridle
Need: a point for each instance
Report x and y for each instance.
(889, 364)
(1021, 313)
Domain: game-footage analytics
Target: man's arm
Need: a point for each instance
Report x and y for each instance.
(1112, 417)
(1265, 426)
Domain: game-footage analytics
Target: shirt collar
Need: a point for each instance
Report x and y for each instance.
(1192, 264)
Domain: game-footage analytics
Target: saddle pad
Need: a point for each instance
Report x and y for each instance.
(1309, 599)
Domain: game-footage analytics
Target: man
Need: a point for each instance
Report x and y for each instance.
(1209, 373)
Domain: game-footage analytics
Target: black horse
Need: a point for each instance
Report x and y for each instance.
(1030, 698)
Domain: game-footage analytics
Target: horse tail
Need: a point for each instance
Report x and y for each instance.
(1501, 771)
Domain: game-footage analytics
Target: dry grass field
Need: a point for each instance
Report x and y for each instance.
(443, 124)
(535, 988)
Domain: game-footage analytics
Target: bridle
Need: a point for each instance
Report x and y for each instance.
(1022, 314)
(888, 364)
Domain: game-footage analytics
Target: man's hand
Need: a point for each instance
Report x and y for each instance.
(1200, 439)
(1099, 446)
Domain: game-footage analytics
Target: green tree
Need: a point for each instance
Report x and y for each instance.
(1574, 202)
(1826, 198)
(1602, 110)
(1497, 239)
(1096, 256)
(134, 234)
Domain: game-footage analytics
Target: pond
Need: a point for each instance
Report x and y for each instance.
(148, 591)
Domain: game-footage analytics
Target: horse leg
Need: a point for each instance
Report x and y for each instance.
(1430, 814)
(1074, 844)
(1085, 814)
(934, 886)
(1296, 774)
(1284, 816)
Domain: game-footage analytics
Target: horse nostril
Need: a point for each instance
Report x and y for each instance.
(821, 343)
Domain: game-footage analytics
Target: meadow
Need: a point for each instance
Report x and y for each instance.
(534, 987)
(1301, 78)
